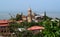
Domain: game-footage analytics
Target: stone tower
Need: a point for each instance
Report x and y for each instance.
(29, 17)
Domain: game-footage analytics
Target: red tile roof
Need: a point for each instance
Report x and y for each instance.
(36, 28)
(3, 22)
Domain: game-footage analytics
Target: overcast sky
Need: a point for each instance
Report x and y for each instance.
(52, 7)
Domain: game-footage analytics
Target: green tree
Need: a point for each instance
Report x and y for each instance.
(51, 29)
(18, 17)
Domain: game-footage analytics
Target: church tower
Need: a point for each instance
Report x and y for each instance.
(29, 18)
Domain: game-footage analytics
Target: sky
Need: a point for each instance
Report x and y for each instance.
(52, 7)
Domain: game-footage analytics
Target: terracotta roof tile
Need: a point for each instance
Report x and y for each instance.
(36, 28)
(3, 21)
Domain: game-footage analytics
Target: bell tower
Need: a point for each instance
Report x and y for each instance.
(29, 18)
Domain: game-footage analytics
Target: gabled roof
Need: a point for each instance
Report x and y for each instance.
(3, 21)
